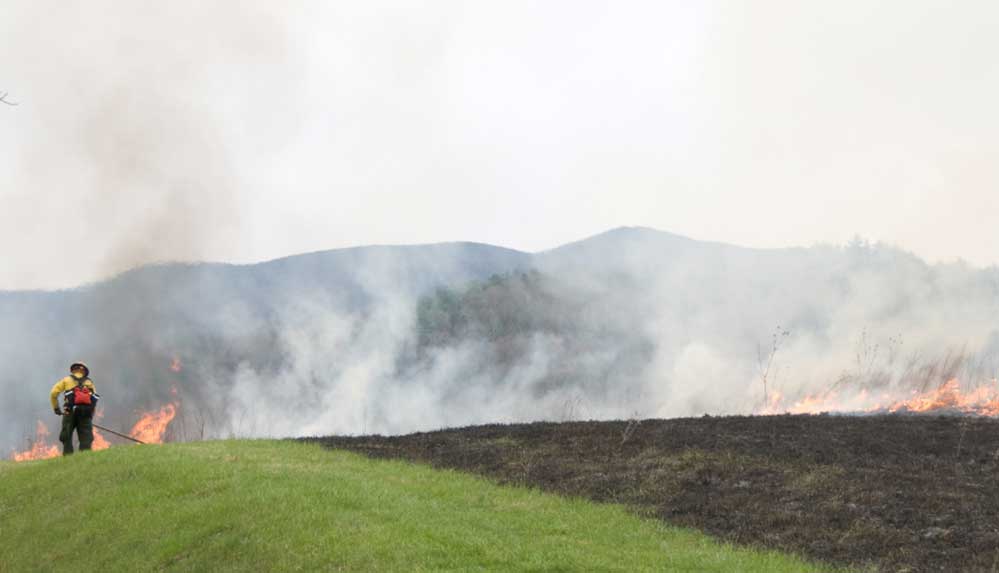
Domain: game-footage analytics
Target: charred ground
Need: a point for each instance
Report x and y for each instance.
(900, 493)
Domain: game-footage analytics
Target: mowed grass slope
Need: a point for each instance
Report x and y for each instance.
(277, 505)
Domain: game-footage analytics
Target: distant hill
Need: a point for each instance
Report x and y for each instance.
(401, 338)
(129, 327)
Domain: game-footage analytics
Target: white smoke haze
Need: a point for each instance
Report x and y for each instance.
(245, 131)
(151, 132)
(631, 323)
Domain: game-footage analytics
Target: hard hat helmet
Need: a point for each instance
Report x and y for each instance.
(77, 365)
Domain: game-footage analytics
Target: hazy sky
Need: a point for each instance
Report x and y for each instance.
(243, 131)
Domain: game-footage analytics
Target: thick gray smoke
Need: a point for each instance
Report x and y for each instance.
(396, 339)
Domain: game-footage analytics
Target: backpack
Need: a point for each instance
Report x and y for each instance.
(80, 395)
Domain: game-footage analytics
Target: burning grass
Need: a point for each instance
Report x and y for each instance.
(150, 428)
(279, 506)
(41, 448)
(951, 397)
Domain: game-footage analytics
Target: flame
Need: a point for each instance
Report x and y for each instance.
(175, 364)
(774, 404)
(40, 448)
(99, 442)
(982, 401)
(947, 398)
(152, 426)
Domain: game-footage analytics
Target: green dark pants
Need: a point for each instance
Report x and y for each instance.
(81, 420)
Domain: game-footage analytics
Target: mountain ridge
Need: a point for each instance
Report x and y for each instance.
(616, 235)
(411, 337)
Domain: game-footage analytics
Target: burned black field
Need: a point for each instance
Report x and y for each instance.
(895, 493)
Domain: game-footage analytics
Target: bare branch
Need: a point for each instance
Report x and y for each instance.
(765, 366)
(3, 98)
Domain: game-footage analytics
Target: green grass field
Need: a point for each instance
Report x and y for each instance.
(278, 506)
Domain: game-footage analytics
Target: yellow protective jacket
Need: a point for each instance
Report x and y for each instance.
(67, 383)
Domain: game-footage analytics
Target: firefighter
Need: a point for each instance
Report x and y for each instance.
(79, 400)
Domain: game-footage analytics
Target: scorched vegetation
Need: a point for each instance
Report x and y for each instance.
(898, 493)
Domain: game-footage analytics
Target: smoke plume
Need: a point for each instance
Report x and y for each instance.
(632, 323)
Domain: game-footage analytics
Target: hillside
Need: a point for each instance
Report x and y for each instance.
(629, 323)
(897, 493)
(284, 506)
(216, 317)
